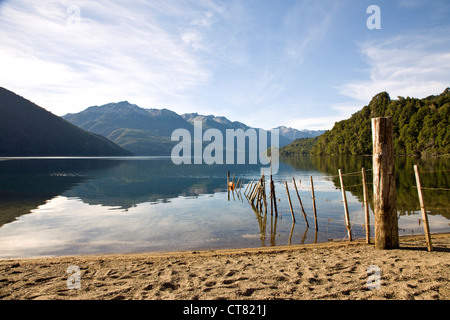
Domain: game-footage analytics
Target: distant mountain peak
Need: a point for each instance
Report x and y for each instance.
(212, 121)
(294, 134)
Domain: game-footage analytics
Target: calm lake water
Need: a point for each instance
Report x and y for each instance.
(70, 206)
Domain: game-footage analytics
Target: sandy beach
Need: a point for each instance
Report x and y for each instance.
(335, 270)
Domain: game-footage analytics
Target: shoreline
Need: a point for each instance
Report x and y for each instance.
(332, 270)
(246, 250)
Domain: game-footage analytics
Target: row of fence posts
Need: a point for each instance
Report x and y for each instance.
(234, 187)
(385, 199)
(384, 192)
(256, 192)
(256, 195)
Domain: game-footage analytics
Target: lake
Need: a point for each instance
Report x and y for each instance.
(72, 206)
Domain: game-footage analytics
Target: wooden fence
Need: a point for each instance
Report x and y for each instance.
(384, 196)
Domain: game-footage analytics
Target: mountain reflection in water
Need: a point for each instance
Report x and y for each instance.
(102, 205)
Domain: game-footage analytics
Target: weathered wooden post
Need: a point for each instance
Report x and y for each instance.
(248, 186)
(426, 226)
(314, 203)
(301, 204)
(385, 202)
(228, 184)
(271, 195)
(274, 197)
(290, 203)
(366, 205)
(346, 215)
(263, 189)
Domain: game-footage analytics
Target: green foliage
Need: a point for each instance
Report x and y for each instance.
(421, 127)
(300, 146)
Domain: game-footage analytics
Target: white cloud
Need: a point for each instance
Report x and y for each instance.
(192, 38)
(115, 51)
(409, 65)
(314, 123)
(205, 20)
(337, 113)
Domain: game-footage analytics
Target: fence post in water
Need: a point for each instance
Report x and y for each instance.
(263, 189)
(301, 204)
(271, 195)
(248, 185)
(274, 198)
(366, 206)
(344, 198)
(228, 184)
(426, 227)
(290, 203)
(314, 203)
(250, 190)
(254, 192)
(384, 193)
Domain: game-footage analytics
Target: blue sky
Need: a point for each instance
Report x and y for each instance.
(304, 64)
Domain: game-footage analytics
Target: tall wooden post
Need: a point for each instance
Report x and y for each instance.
(249, 186)
(271, 195)
(274, 197)
(228, 184)
(314, 203)
(385, 202)
(344, 199)
(290, 203)
(366, 205)
(426, 226)
(301, 204)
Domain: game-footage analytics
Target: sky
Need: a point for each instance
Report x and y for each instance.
(304, 64)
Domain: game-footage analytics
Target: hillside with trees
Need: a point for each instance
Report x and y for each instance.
(421, 128)
(29, 130)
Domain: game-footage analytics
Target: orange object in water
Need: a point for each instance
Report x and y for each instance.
(231, 185)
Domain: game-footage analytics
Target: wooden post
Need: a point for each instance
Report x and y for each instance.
(271, 195)
(344, 198)
(254, 192)
(314, 203)
(290, 203)
(426, 227)
(258, 198)
(366, 206)
(385, 202)
(228, 184)
(301, 204)
(291, 233)
(248, 186)
(263, 189)
(274, 199)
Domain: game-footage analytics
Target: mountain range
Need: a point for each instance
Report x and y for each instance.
(421, 127)
(148, 131)
(113, 129)
(29, 130)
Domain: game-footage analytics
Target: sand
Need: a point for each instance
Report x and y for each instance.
(337, 270)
